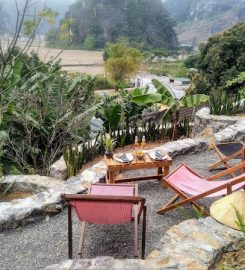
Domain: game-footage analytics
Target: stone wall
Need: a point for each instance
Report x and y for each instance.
(190, 245)
(223, 128)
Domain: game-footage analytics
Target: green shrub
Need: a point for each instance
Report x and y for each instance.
(192, 61)
(173, 69)
(88, 43)
(122, 62)
(49, 110)
(102, 83)
(226, 104)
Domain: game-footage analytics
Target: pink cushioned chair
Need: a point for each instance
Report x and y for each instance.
(185, 182)
(107, 204)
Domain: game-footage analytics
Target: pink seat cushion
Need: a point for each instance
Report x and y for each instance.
(106, 212)
(185, 180)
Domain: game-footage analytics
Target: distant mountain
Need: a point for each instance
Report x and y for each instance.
(144, 22)
(199, 19)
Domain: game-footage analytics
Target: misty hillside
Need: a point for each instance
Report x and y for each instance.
(199, 19)
(8, 10)
(146, 23)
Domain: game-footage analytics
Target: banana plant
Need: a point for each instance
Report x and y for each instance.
(166, 97)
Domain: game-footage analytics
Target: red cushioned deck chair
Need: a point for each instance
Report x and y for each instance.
(107, 204)
(228, 151)
(185, 182)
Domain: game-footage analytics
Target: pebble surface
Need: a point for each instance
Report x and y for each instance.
(38, 245)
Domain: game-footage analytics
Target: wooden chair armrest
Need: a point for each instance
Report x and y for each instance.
(228, 171)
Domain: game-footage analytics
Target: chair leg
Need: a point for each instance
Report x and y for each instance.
(213, 167)
(171, 201)
(171, 206)
(136, 249)
(80, 246)
(143, 233)
(69, 232)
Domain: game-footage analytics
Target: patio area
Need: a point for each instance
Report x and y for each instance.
(41, 244)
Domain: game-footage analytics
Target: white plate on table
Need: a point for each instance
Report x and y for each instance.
(152, 155)
(129, 156)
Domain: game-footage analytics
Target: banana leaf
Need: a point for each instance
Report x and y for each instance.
(168, 101)
(193, 100)
(161, 89)
(147, 99)
(138, 92)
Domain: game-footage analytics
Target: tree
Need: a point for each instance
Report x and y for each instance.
(223, 57)
(51, 110)
(41, 108)
(122, 61)
(27, 25)
(237, 84)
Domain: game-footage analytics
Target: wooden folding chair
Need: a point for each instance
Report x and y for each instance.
(228, 151)
(185, 182)
(107, 204)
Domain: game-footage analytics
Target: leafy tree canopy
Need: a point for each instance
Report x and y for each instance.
(142, 21)
(223, 57)
(122, 61)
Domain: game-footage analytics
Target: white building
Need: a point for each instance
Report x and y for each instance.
(177, 86)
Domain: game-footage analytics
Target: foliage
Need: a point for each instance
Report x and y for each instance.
(31, 25)
(41, 108)
(223, 57)
(237, 84)
(192, 61)
(102, 82)
(173, 69)
(108, 20)
(76, 156)
(199, 84)
(122, 61)
(88, 43)
(164, 96)
(240, 222)
(118, 112)
(122, 119)
(199, 212)
(160, 52)
(109, 144)
(50, 110)
(72, 157)
(226, 104)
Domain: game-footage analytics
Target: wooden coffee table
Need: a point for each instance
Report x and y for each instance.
(114, 167)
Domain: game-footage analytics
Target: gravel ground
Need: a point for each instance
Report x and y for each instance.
(41, 244)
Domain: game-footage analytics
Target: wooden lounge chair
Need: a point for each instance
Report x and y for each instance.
(185, 182)
(228, 151)
(107, 204)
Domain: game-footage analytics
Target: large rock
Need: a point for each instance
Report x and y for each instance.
(190, 245)
(45, 198)
(218, 128)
